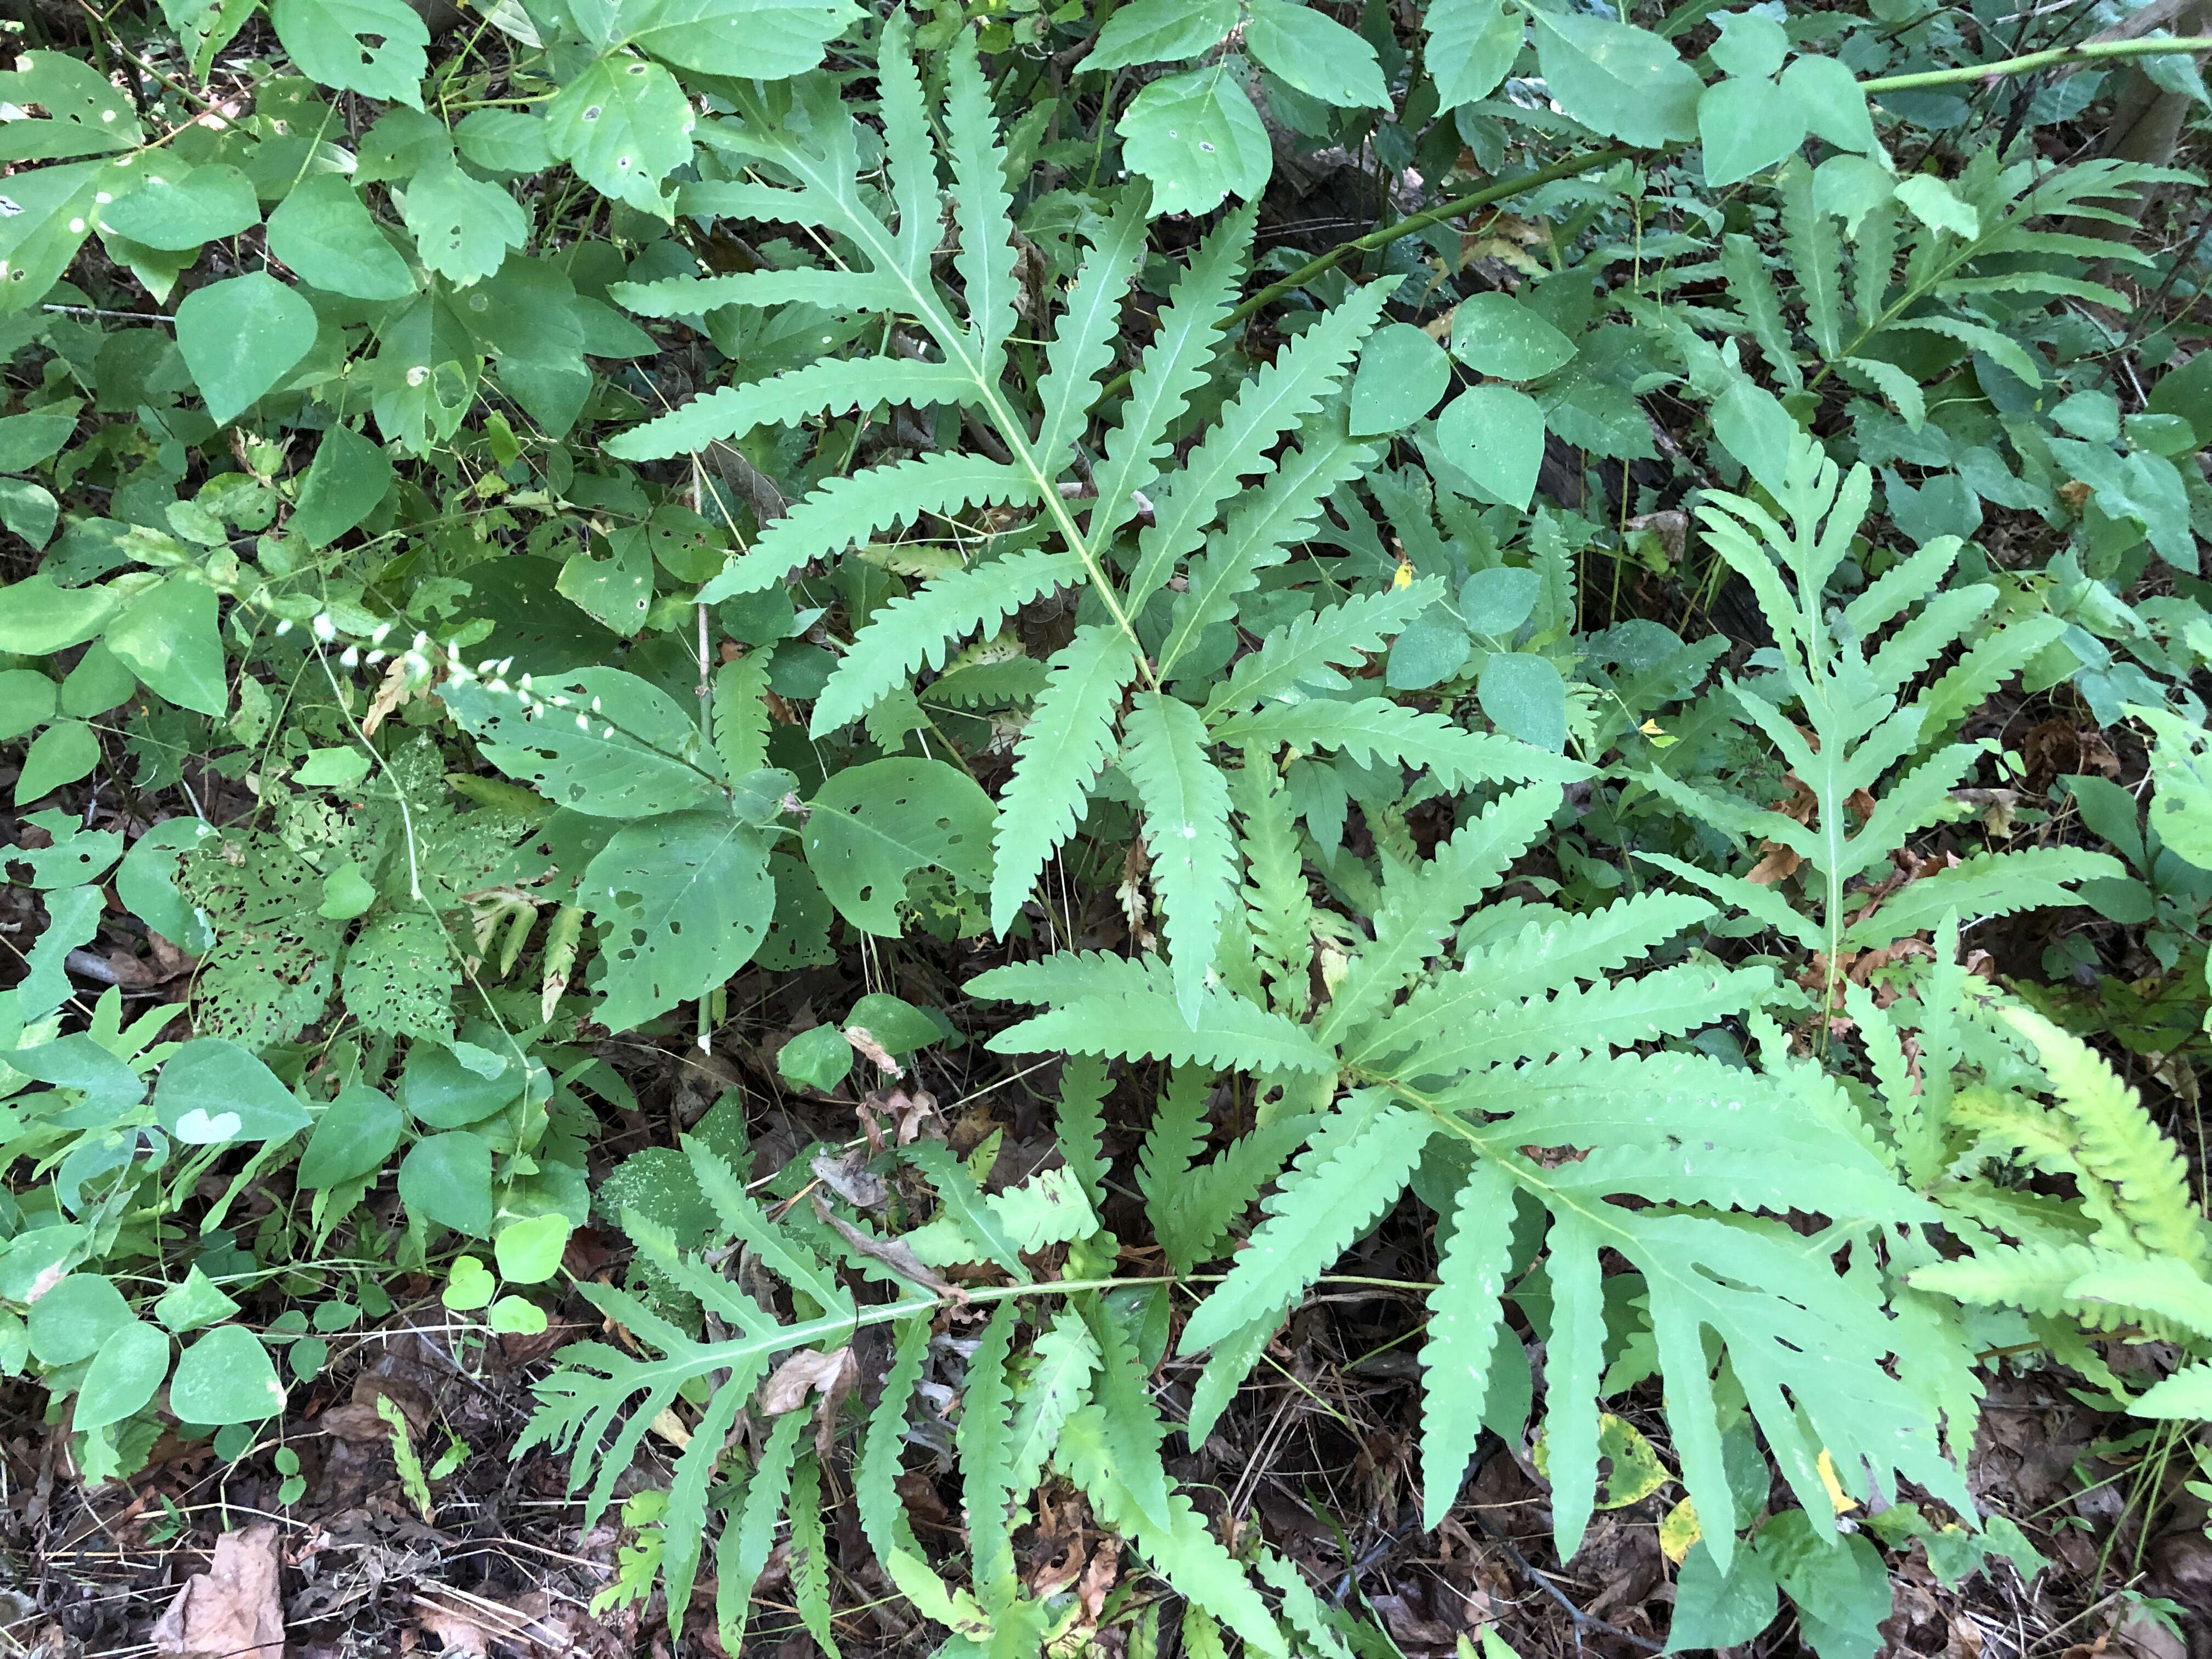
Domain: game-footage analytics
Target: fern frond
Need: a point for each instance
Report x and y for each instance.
(1808, 236)
(1560, 949)
(1272, 403)
(793, 1263)
(986, 259)
(1064, 975)
(1062, 1360)
(748, 1539)
(1149, 1025)
(2037, 1277)
(1063, 748)
(1083, 344)
(1752, 286)
(1172, 1143)
(1375, 729)
(1986, 885)
(1762, 903)
(1306, 655)
(1083, 1081)
(809, 1556)
(1279, 909)
(921, 629)
(1186, 802)
(844, 511)
(830, 386)
(1201, 1208)
(1440, 1037)
(839, 293)
(682, 1539)
(1421, 907)
(1185, 1552)
(1344, 1190)
(984, 1440)
(1173, 366)
(1121, 1396)
(875, 1493)
(741, 715)
(2118, 1142)
(1466, 1312)
(1260, 532)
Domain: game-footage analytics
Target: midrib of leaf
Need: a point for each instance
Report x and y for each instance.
(868, 231)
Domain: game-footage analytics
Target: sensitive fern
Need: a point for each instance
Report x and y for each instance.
(1524, 1045)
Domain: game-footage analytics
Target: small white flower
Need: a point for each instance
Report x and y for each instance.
(283, 627)
(351, 657)
(325, 629)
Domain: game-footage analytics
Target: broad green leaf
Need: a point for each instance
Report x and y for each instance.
(462, 227)
(225, 1377)
(683, 901)
(35, 435)
(169, 637)
(74, 1318)
(528, 1252)
(1751, 44)
(1495, 435)
(448, 1179)
(328, 238)
(1524, 696)
(61, 754)
(38, 617)
(504, 141)
(1827, 97)
(87, 114)
(241, 336)
(1746, 127)
(27, 701)
(1714, 1609)
(870, 826)
(1401, 374)
(599, 742)
(355, 1134)
(374, 47)
(348, 476)
(1626, 82)
(760, 39)
(1497, 601)
(1198, 138)
(1472, 45)
(180, 209)
(1495, 334)
(624, 125)
(124, 1377)
(616, 591)
(1161, 31)
(49, 216)
(818, 1057)
(1316, 54)
(212, 1092)
(28, 510)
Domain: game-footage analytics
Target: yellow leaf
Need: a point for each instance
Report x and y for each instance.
(1844, 1501)
(1678, 1531)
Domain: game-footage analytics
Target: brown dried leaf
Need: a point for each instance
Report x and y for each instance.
(233, 1610)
